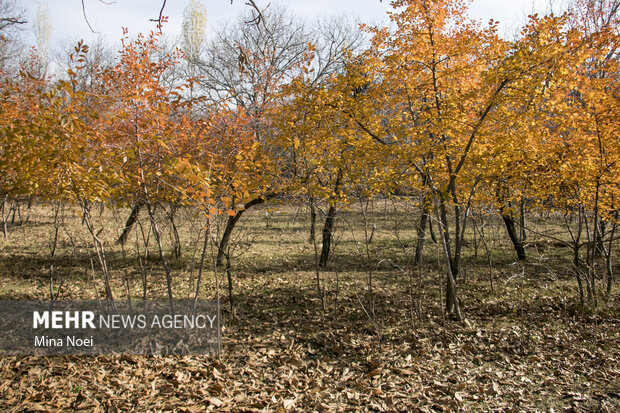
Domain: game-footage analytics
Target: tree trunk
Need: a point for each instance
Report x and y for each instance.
(608, 263)
(230, 225)
(99, 247)
(421, 230)
(480, 231)
(452, 302)
(522, 234)
(600, 247)
(230, 286)
(162, 256)
(431, 230)
(176, 240)
(2, 209)
(328, 229)
(202, 258)
(133, 217)
(312, 221)
(512, 233)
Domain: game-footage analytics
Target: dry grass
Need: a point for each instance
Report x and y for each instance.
(528, 347)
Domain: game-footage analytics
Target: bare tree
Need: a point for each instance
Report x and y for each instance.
(249, 61)
(334, 38)
(246, 64)
(100, 56)
(11, 21)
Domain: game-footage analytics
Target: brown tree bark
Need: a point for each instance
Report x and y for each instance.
(131, 220)
(328, 229)
(328, 226)
(421, 230)
(230, 225)
(509, 222)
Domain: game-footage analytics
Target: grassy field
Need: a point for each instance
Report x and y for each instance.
(528, 346)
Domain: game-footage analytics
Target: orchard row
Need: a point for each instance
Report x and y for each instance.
(438, 109)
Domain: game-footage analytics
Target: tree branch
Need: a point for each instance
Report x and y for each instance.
(371, 134)
(159, 19)
(478, 125)
(12, 20)
(86, 18)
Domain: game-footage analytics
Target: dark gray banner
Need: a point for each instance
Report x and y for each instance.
(183, 327)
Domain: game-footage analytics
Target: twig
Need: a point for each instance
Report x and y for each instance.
(86, 18)
(159, 19)
(259, 17)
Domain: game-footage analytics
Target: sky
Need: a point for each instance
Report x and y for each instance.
(69, 25)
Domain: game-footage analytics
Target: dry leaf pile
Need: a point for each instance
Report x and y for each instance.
(282, 353)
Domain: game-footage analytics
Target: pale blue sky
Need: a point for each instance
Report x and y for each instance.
(67, 20)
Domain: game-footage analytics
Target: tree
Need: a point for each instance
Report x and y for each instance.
(243, 68)
(11, 19)
(432, 88)
(43, 32)
(314, 154)
(194, 29)
(582, 143)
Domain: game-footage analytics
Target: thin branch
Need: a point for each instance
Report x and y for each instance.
(12, 20)
(479, 124)
(259, 18)
(86, 18)
(158, 20)
(370, 133)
